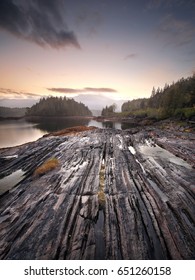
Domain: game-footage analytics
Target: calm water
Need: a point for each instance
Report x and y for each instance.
(17, 132)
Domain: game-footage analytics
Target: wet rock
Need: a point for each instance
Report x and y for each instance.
(148, 210)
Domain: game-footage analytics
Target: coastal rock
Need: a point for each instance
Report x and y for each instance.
(114, 195)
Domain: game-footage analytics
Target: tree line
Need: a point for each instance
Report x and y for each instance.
(58, 106)
(108, 111)
(6, 112)
(175, 100)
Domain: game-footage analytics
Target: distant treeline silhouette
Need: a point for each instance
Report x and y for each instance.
(58, 106)
(6, 112)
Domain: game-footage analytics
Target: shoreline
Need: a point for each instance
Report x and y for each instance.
(136, 121)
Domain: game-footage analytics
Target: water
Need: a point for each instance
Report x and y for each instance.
(13, 133)
(132, 150)
(99, 236)
(17, 132)
(11, 180)
(156, 152)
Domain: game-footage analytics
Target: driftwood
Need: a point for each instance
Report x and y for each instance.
(114, 195)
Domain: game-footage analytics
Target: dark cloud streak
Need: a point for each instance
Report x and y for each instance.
(130, 56)
(84, 90)
(66, 90)
(41, 22)
(100, 89)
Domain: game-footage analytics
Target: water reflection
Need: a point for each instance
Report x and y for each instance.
(17, 132)
(55, 124)
(108, 124)
(11, 180)
(114, 125)
(155, 152)
(13, 133)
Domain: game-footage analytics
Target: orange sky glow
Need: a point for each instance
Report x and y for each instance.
(125, 46)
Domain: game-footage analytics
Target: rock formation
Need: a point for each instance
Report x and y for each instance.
(114, 195)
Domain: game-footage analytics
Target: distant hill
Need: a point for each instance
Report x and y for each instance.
(175, 100)
(6, 112)
(97, 102)
(58, 106)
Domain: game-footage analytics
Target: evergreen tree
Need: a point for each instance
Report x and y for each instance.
(109, 111)
(169, 101)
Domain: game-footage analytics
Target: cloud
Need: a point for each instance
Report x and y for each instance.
(100, 89)
(130, 56)
(66, 90)
(175, 31)
(9, 93)
(41, 22)
(84, 90)
(6, 93)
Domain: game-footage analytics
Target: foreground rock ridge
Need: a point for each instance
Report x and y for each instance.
(114, 195)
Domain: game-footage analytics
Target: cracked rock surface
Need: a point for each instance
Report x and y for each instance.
(143, 208)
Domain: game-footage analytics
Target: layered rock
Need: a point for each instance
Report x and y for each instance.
(114, 195)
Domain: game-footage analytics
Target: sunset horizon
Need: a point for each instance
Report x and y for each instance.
(120, 50)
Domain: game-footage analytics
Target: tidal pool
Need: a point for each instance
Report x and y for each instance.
(11, 180)
(152, 150)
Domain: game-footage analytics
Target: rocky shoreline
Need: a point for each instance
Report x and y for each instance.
(114, 195)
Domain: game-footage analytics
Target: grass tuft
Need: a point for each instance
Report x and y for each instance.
(71, 131)
(101, 194)
(47, 166)
(101, 199)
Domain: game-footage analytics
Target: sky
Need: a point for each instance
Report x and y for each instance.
(118, 49)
